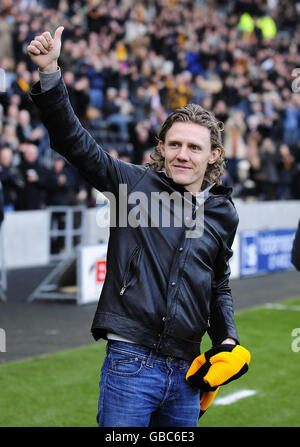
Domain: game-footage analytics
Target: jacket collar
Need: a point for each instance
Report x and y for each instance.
(207, 187)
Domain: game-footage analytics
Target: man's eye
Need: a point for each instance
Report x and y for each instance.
(196, 148)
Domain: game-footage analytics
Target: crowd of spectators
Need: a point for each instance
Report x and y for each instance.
(128, 63)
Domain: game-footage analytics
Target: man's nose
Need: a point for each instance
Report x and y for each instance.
(183, 153)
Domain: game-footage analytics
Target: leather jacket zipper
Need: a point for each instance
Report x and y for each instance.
(126, 274)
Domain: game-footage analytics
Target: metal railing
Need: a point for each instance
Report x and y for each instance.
(66, 232)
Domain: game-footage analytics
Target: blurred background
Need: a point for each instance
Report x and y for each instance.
(127, 64)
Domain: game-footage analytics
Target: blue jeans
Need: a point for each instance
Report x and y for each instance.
(140, 388)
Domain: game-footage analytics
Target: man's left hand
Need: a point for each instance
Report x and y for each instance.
(216, 367)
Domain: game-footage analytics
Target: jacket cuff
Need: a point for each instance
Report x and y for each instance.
(217, 336)
(49, 80)
(50, 100)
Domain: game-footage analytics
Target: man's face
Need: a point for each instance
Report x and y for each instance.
(58, 165)
(187, 152)
(6, 157)
(31, 153)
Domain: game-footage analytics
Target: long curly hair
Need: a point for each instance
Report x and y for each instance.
(193, 113)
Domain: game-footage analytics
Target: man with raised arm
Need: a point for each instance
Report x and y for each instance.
(167, 260)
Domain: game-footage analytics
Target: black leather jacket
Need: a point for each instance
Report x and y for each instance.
(162, 289)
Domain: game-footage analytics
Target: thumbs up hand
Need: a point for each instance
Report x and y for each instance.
(44, 50)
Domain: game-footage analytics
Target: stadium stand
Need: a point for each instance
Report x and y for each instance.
(127, 63)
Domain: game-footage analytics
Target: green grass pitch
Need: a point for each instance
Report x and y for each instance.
(61, 389)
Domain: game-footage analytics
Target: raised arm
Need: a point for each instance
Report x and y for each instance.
(67, 136)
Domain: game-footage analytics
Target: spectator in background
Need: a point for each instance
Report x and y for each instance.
(179, 91)
(66, 58)
(147, 156)
(58, 194)
(116, 110)
(286, 172)
(97, 81)
(222, 55)
(12, 115)
(62, 183)
(267, 170)
(113, 152)
(234, 141)
(221, 111)
(10, 178)
(21, 87)
(79, 93)
(69, 81)
(82, 97)
(198, 90)
(9, 136)
(37, 180)
(126, 106)
(126, 111)
(244, 188)
(143, 139)
(291, 123)
(25, 129)
(141, 104)
(110, 107)
(15, 100)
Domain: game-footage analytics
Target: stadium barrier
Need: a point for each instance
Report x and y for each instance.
(67, 226)
(66, 230)
(79, 277)
(26, 239)
(262, 245)
(265, 235)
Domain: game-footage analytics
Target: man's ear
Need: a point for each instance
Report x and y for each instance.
(215, 154)
(161, 147)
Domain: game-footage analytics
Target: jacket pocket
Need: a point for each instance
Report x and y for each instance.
(129, 267)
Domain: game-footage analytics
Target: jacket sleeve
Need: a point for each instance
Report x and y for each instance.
(296, 249)
(221, 323)
(70, 139)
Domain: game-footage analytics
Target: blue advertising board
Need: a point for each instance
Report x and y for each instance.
(265, 251)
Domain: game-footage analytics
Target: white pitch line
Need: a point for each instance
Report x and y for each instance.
(281, 307)
(231, 398)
